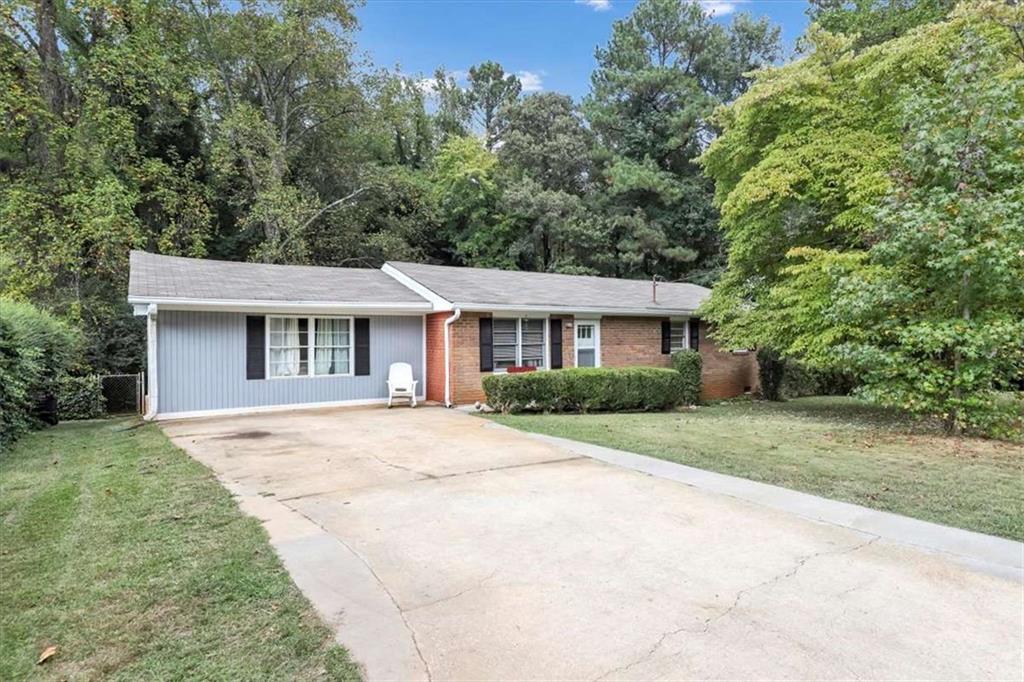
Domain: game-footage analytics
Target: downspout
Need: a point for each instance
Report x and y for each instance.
(447, 356)
(151, 373)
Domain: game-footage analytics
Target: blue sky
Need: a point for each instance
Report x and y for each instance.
(550, 43)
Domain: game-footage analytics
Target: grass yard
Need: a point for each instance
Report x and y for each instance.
(833, 447)
(128, 556)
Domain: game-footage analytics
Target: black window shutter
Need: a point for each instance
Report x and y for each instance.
(555, 331)
(486, 344)
(666, 337)
(255, 346)
(362, 348)
(694, 333)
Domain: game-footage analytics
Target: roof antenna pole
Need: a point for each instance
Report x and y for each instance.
(654, 287)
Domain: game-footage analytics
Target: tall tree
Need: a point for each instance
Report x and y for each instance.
(943, 289)
(543, 137)
(876, 21)
(872, 212)
(665, 69)
(101, 154)
(489, 89)
(281, 90)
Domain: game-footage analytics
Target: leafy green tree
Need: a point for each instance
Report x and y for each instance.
(489, 89)
(466, 191)
(453, 114)
(101, 154)
(876, 21)
(857, 195)
(543, 137)
(943, 291)
(395, 218)
(280, 92)
(665, 69)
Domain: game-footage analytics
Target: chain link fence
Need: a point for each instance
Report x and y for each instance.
(123, 393)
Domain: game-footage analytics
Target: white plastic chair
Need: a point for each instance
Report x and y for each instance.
(401, 383)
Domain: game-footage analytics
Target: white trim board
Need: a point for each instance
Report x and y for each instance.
(439, 303)
(283, 307)
(260, 409)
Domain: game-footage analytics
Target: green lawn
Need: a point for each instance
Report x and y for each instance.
(128, 556)
(834, 447)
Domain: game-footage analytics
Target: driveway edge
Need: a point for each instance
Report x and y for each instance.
(342, 587)
(986, 553)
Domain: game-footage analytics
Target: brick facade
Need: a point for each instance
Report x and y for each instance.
(625, 342)
(631, 342)
(725, 374)
(435, 356)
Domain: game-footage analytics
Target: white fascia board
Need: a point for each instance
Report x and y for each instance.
(580, 312)
(438, 303)
(309, 307)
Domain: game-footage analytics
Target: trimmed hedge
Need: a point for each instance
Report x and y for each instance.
(35, 348)
(80, 398)
(587, 389)
(689, 365)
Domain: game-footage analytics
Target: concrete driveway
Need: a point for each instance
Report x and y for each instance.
(440, 547)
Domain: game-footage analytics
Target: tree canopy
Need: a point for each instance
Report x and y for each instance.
(872, 202)
(857, 207)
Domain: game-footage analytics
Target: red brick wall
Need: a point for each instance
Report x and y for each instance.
(625, 342)
(632, 341)
(435, 356)
(466, 375)
(724, 374)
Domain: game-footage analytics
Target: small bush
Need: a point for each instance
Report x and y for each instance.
(772, 372)
(688, 364)
(80, 398)
(35, 348)
(587, 389)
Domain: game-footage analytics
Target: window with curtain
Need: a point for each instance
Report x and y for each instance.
(332, 352)
(678, 335)
(289, 346)
(518, 342)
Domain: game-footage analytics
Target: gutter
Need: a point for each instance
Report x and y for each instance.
(447, 355)
(151, 370)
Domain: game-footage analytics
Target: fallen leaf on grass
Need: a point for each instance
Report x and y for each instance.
(48, 653)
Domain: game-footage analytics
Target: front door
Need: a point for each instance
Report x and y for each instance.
(588, 343)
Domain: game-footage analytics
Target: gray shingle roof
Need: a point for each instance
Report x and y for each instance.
(476, 288)
(171, 277)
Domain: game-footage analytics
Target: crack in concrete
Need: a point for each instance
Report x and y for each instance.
(383, 586)
(400, 467)
(709, 622)
(428, 477)
(458, 594)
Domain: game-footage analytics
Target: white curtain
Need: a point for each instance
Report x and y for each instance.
(332, 346)
(285, 347)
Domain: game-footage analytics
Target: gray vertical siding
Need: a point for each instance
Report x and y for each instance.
(201, 358)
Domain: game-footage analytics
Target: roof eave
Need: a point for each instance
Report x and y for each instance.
(470, 306)
(251, 305)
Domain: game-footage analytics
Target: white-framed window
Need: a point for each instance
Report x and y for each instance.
(588, 343)
(293, 351)
(519, 342)
(680, 335)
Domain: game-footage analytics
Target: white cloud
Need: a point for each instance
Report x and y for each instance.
(597, 5)
(720, 8)
(531, 81)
